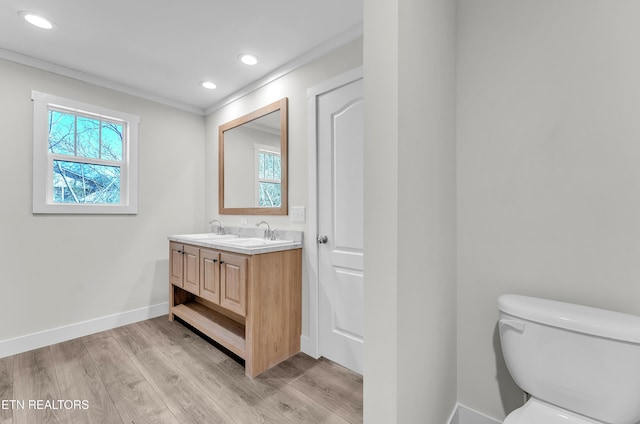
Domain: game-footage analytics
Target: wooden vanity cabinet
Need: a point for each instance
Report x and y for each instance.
(250, 304)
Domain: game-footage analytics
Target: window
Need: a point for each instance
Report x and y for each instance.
(84, 158)
(268, 177)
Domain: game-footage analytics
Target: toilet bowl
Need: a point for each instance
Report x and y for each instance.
(580, 365)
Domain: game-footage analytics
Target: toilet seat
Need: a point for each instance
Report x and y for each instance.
(538, 412)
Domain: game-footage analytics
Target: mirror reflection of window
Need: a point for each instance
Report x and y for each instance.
(252, 162)
(268, 178)
(245, 169)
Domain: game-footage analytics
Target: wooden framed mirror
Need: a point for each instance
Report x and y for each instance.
(252, 162)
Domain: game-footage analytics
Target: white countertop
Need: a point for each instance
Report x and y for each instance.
(234, 243)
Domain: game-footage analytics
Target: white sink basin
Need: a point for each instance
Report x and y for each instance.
(208, 236)
(253, 242)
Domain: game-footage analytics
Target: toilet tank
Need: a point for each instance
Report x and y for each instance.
(583, 359)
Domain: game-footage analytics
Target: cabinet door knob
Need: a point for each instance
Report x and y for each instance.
(215, 260)
(221, 262)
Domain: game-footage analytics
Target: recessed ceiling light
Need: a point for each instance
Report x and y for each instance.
(37, 20)
(208, 84)
(248, 59)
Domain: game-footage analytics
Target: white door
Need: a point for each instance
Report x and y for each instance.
(340, 126)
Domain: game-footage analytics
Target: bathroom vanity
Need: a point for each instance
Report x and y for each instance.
(242, 292)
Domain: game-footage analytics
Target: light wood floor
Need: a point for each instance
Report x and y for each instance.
(158, 371)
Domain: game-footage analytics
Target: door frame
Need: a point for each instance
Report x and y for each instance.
(310, 344)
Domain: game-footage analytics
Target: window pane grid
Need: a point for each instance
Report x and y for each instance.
(269, 166)
(270, 195)
(84, 135)
(77, 182)
(86, 158)
(269, 179)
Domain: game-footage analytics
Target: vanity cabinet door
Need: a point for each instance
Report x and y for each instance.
(191, 269)
(233, 283)
(175, 263)
(184, 267)
(210, 275)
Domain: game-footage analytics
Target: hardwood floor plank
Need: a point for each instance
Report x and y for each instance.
(185, 401)
(233, 378)
(345, 376)
(309, 411)
(306, 409)
(296, 406)
(111, 361)
(130, 392)
(131, 339)
(162, 417)
(288, 370)
(235, 399)
(269, 403)
(334, 387)
(35, 380)
(134, 399)
(6, 388)
(78, 379)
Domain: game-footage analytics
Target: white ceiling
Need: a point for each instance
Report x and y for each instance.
(162, 49)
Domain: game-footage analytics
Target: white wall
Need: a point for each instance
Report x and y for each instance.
(548, 169)
(381, 219)
(59, 270)
(294, 86)
(410, 294)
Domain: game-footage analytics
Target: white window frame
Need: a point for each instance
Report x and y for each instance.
(257, 148)
(43, 160)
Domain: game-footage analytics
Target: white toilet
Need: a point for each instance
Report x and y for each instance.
(580, 365)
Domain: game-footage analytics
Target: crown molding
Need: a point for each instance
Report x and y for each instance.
(12, 56)
(313, 54)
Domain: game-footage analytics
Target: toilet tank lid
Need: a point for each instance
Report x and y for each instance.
(569, 316)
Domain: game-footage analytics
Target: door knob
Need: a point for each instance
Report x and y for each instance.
(323, 239)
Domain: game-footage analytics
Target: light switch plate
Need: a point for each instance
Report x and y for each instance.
(297, 214)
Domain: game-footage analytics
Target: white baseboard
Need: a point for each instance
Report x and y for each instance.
(61, 334)
(465, 415)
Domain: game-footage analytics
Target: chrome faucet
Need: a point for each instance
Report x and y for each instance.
(220, 228)
(268, 233)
